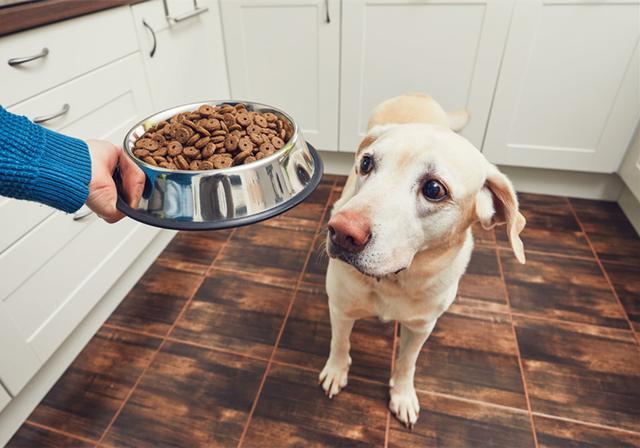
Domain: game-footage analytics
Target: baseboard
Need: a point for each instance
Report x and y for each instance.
(565, 183)
(337, 162)
(12, 417)
(526, 180)
(630, 205)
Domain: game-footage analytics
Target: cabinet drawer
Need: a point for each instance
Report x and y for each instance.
(27, 255)
(60, 294)
(75, 47)
(5, 398)
(18, 218)
(102, 104)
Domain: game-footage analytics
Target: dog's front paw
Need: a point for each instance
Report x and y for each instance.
(404, 404)
(334, 376)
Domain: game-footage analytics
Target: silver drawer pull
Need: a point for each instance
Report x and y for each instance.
(44, 118)
(18, 61)
(187, 15)
(82, 213)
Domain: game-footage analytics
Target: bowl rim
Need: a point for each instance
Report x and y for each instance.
(127, 144)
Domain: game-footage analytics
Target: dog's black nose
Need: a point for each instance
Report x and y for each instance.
(350, 231)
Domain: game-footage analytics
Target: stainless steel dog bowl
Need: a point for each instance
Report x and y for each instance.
(229, 197)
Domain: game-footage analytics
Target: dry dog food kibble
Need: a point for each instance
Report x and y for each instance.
(213, 137)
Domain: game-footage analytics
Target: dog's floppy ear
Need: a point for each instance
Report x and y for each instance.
(497, 204)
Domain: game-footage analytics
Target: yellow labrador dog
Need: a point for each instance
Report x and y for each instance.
(400, 238)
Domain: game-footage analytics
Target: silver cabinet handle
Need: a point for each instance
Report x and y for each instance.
(18, 61)
(82, 213)
(44, 118)
(153, 34)
(187, 15)
(328, 18)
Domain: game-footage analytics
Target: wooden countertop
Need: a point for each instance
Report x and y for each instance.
(30, 15)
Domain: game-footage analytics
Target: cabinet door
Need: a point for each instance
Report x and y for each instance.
(188, 64)
(80, 260)
(449, 49)
(569, 89)
(5, 398)
(630, 167)
(19, 360)
(286, 54)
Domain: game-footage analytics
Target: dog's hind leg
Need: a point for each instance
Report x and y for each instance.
(404, 400)
(334, 375)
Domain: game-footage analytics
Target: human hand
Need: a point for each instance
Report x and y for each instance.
(102, 189)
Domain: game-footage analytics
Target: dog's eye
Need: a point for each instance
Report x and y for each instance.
(434, 190)
(366, 164)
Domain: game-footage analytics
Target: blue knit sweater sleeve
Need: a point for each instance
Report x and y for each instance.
(42, 165)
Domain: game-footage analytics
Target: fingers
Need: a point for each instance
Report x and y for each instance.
(102, 200)
(132, 179)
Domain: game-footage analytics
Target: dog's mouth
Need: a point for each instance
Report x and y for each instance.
(355, 260)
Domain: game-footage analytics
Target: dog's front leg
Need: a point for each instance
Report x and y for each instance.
(334, 375)
(404, 400)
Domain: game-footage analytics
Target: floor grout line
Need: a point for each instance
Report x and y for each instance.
(162, 344)
(387, 426)
(59, 431)
(604, 272)
(282, 327)
(515, 340)
(580, 422)
(547, 253)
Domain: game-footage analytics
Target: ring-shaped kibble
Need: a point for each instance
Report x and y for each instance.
(182, 163)
(193, 139)
(174, 148)
(260, 121)
(201, 143)
(209, 150)
(245, 144)
(194, 165)
(256, 138)
(231, 143)
(150, 160)
(161, 152)
(223, 162)
(182, 135)
(206, 165)
(205, 109)
(159, 138)
(260, 155)
(277, 142)
(249, 159)
(270, 117)
(140, 152)
(229, 119)
(190, 152)
(243, 155)
(212, 124)
(202, 131)
(243, 119)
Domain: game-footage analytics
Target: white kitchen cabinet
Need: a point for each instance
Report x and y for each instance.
(448, 49)
(630, 167)
(286, 54)
(55, 273)
(188, 64)
(19, 360)
(5, 398)
(569, 90)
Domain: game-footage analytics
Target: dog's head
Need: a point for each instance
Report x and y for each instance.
(417, 187)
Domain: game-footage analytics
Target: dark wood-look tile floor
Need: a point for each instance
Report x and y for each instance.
(222, 340)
